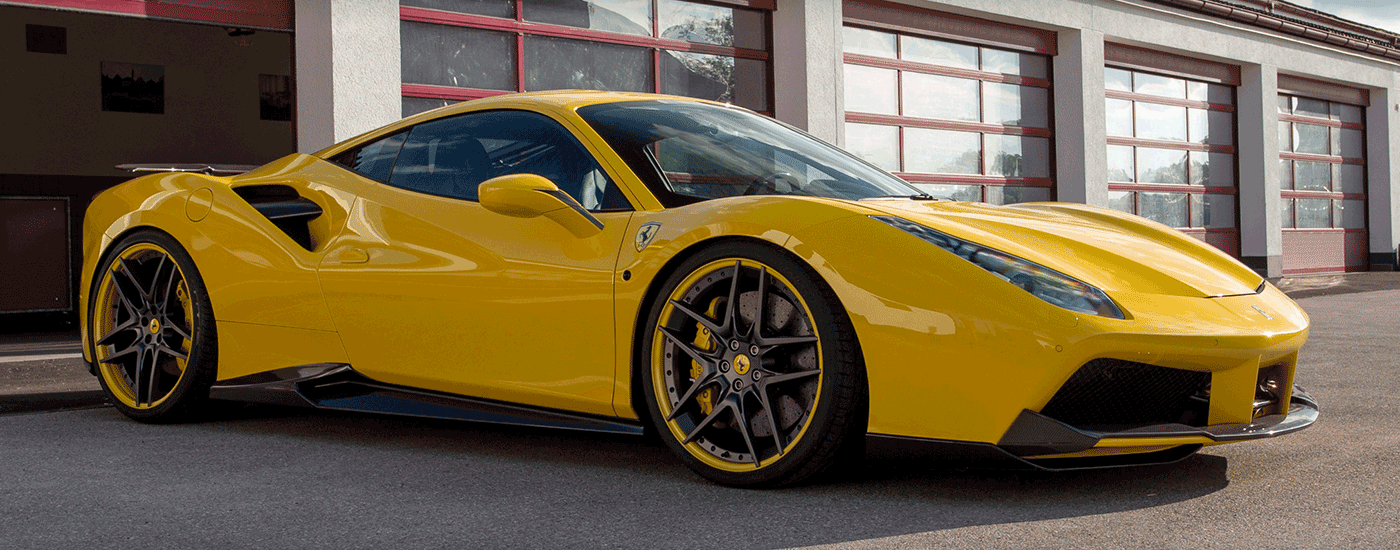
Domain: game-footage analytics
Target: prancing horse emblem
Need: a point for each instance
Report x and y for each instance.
(646, 233)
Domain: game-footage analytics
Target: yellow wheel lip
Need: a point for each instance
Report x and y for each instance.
(663, 402)
(104, 300)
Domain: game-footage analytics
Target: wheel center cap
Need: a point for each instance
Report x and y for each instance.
(741, 364)
(154, 326)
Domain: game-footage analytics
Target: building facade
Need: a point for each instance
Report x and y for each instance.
(1263, 128)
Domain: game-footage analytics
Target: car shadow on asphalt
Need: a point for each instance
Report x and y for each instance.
(881, 496)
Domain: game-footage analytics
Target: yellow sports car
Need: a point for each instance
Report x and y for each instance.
(626, 262)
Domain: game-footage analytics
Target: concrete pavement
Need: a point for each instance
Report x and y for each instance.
(265, 477)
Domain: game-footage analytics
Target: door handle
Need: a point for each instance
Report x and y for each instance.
(352, 256)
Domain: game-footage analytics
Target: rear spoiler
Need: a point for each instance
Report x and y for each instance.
(207, 169)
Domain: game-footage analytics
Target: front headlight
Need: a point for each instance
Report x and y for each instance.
(1042, 282)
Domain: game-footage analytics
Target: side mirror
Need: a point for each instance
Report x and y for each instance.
(529, 196)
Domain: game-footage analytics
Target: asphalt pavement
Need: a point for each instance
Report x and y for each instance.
(267, 477)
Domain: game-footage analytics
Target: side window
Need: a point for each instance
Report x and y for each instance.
(450, 157)
(374, 160)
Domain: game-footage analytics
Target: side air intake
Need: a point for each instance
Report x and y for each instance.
(285, 208)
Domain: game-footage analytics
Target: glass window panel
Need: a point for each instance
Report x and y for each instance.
(1213, 169)
(1014, 105)
(560, 63)
(933, 96)
(376, 160)
(493, 8)
(1154, 121)
(1312, 176)
(1164, 208)
(938, 52)
(1285, 173)
(1349, 214)
(751, 84)
(455, 56)
(1024, 64)
(415, 105)
(726, 79)
(1017, 156)
(1351, 178)
(1121, 201)
(871, 90)
(620, 16)
(1198, 209)
(1350, 143)
(1313, 213)
(1162, 86)
(1286, 213)
(878, 145)
(1311, 107)
(1119, 115)
(1218, 211)
(1310, 138)
(1213, 93)
(1012, 194)
(942, 151)
(1161, 166)
(698, 75)
(1211, 127)
(1197, 91)
(971, 193)
(451, 156)
(1285, 104)
(1117, 79)
(707, 24)
(1120, 163)
(868, 42)
(1285, 135)
(1347, 113)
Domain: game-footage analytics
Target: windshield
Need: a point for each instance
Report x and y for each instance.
(688, 152)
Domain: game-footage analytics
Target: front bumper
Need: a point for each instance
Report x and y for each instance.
(1036, 436)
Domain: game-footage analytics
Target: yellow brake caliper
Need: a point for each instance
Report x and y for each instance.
(705, 342)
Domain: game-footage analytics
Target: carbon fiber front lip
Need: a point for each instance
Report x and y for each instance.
(1034, 434)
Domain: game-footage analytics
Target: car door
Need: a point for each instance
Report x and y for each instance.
(429, 289)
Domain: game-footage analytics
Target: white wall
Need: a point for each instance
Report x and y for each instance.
(807, 67)
(348, 75)
(52, 104)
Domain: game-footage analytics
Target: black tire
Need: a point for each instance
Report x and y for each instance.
(798, 385)
(152, 330)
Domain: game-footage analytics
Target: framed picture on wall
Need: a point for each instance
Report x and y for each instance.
(274, 97)
(133, 87)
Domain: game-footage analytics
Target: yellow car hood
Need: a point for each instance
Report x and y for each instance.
(1105, 248)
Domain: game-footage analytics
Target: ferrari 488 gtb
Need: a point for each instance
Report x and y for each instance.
(603, 261)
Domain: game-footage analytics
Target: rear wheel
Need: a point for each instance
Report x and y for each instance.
(152, 329)
(754, 374)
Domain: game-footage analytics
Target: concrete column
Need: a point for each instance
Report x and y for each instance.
(808, 83)
(1261, 236)
(347, 69)
(1081, 136)
(1382, 175)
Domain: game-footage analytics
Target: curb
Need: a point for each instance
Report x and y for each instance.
(48, 402)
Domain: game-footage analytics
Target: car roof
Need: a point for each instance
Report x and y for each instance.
(555, 100)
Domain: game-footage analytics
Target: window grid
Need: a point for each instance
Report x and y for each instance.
(521, 28)
(1196, 195)
(1337, 200)
(990, 188)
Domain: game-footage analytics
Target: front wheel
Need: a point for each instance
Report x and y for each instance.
(754, 371)
(152, 329)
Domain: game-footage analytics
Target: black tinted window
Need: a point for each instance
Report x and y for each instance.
(374, 160)
(450, 157)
